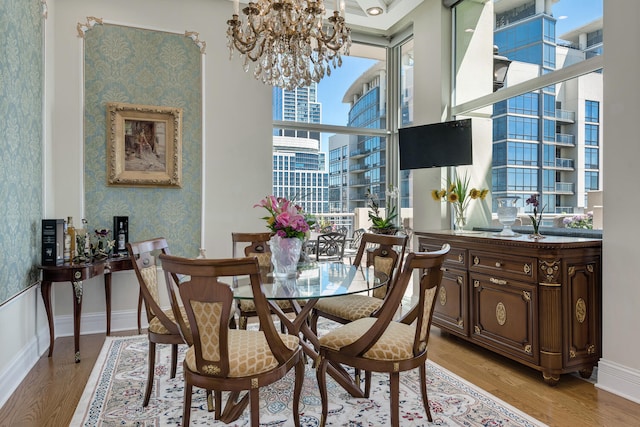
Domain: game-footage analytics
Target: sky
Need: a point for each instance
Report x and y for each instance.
(331, 89)
(577, 13)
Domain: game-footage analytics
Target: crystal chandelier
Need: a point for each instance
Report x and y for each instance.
(288, 40)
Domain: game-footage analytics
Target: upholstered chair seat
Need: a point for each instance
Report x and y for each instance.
(385, 254)
(396, 343)
(156, 326)
(349, 307)
(249, 353)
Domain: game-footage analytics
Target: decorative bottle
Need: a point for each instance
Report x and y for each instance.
(87, 239)
(121, 238)
(66, 251)
(71, 231)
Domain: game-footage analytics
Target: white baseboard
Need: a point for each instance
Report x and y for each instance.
(619, 379)
(22, 363)
(95, 323)
(26, 358)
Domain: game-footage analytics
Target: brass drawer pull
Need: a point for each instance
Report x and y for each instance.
(498, 264)
(498, 281)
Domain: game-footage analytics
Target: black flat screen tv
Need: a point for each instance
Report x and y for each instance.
(436, 145)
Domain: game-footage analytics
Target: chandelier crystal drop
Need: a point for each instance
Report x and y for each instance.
(288, 41)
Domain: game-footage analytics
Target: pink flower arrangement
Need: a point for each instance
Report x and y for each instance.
(285, 219)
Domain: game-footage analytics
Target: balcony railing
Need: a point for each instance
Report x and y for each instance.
(565, 139)
(565, 115)
(361, 151)
(564, 163)
(564, 209)
(564, 187)
(359, 182)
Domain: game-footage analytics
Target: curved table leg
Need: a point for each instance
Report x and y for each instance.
(77, 312)
(45, 290)
(300, 325)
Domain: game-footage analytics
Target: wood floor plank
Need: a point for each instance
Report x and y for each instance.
(50, 393)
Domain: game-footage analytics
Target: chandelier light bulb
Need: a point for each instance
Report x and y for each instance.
(288, 41)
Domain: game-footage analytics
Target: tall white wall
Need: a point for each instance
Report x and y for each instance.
(619, 369)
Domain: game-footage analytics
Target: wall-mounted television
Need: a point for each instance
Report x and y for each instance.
(436, 145)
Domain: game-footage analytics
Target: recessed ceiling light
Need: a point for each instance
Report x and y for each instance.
(374, 11)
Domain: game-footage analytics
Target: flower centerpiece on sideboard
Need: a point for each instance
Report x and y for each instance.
(458, 194)
(290, 228)
(536, 218)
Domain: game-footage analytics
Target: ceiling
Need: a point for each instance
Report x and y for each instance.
(393, 11)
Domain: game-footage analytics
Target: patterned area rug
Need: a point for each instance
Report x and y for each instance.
(113, 397)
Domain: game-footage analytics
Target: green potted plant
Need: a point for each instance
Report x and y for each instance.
(386, 224)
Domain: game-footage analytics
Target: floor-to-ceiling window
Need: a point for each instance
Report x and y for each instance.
(547, 136)
(341, 123)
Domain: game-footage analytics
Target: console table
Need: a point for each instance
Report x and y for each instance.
(536, 301)
(76, 273)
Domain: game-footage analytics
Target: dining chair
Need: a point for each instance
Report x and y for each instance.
(351, 245)
(380, 344)
(163, 328)
(382, 251)
(330, 246)
(226, 359)
(252, 245)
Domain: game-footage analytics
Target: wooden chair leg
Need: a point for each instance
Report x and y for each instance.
(242, 322)
(367, 383)
(210, 405)
(254, 403)
(218, 404)
(174, 359)
(186, 409)
(394, 389)
(423, 389)
(321, 373)
(151, 368)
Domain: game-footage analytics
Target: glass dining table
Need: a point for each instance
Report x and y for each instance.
(312, 282)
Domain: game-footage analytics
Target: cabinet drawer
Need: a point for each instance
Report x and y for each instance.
(504, 316)
(451, 312)
(493, 263)
(456, 258)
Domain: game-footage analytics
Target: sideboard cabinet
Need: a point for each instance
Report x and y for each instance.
(536, 301)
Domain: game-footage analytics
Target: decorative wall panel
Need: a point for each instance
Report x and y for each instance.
(139, 66)
(21, 91)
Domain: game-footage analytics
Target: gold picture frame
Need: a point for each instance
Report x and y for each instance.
(144, 145)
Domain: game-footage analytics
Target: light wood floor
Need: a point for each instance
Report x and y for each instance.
(49, 394)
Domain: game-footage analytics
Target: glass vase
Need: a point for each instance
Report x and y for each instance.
(507, 214)
(459, 218)
(285, 254)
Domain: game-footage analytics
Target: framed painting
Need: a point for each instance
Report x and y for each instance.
(144, 145)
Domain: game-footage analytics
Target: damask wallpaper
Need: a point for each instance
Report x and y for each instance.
(21, 92)
(139, 66)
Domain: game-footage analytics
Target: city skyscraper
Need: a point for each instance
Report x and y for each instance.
(299, 168)
(546, 142)
(357, 163)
